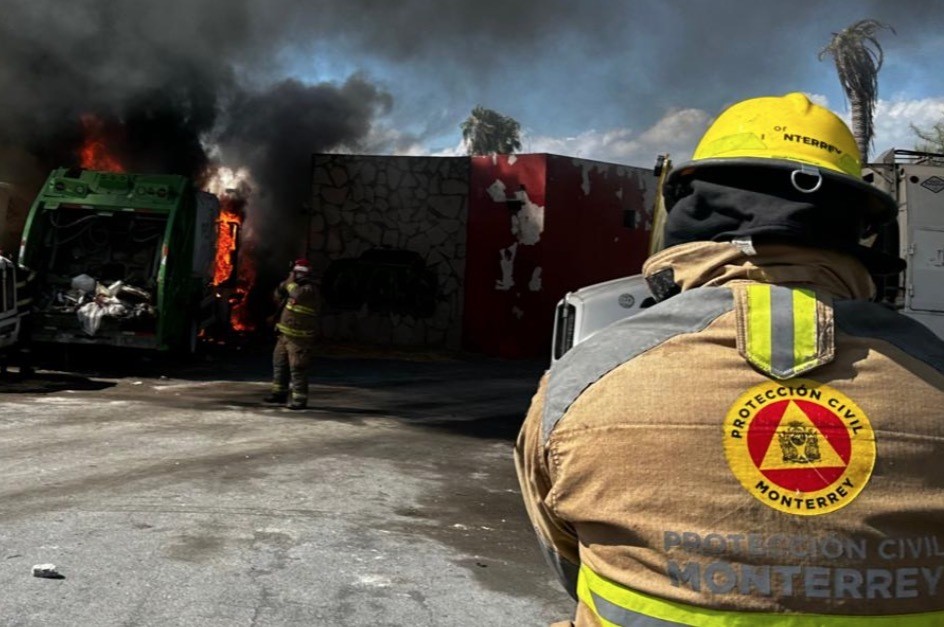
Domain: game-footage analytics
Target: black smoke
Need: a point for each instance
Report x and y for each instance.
(182, 84)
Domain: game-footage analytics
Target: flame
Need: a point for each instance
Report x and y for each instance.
(93, 154)
(232, 266)
(227, 240)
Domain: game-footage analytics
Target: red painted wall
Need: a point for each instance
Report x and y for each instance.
(582, 205)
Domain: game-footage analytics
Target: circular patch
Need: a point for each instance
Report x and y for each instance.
(799, 446)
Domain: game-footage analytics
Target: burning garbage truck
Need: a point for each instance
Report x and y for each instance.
(123, 260)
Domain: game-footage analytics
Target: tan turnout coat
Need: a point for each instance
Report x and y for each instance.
(693, 455)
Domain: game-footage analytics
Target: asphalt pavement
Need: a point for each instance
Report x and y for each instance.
(166, 494)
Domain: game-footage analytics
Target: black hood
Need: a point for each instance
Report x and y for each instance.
(721, 212)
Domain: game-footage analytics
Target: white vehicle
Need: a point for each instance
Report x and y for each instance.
(582, 313)
(9, 315)
(915, 179)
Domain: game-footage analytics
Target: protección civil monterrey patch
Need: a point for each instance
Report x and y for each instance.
(799, 446)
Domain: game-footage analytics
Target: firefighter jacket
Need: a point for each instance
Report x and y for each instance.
(298, 320)
(764, 448)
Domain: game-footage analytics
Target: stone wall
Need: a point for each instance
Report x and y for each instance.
(389, 238)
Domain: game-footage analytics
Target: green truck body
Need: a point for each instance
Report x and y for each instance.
(122, 260)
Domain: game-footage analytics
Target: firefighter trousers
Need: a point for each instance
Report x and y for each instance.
(290, 361)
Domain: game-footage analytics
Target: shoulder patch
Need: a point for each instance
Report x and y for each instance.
(783, 332)
(688, 312)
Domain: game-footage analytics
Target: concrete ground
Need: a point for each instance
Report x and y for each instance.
(166, 494)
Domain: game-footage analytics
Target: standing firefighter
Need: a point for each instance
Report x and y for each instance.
(296, 330)
(765, 446)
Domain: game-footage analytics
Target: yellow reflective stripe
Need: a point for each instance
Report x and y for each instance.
(291, 332)
(591, 587)
(759, 334)
(290, 286)
(308, 311)
(804, 326)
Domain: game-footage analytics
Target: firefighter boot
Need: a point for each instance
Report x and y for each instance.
(298, 403)
(276, 398)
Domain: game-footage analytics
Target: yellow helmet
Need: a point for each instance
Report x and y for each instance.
(810, 143)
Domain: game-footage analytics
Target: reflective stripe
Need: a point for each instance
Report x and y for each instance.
(308, 311)
(618, 606)
(804, 326)
(780, 315)
(292, 332)
(587, 362)
(759, 335)
(783, 335)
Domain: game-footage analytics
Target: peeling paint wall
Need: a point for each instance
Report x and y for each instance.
(504, 238)
(602, 214)
(540, 226)
(400, 206)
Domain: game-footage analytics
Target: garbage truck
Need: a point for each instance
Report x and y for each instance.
(122, 260)
(914, 179)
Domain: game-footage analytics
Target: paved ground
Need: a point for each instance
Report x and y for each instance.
(166, 495)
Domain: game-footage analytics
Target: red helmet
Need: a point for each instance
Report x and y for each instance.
(301, 265)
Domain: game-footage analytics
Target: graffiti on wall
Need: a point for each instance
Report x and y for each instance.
(385, 281)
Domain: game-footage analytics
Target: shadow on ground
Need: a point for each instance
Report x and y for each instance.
(48, 383)
(466, 394)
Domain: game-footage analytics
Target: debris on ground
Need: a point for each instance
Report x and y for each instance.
(47, 571)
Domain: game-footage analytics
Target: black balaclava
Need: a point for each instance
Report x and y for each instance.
(733, 205)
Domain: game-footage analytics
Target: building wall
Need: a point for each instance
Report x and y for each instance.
(540, 226)
(385, 231)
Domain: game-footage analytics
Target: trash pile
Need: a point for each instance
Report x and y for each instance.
(91, 301)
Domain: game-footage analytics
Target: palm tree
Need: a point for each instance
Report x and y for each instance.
(858, 58)
(487, 132)
(933, 138)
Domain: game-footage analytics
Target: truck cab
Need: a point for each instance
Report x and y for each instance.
(9, 314)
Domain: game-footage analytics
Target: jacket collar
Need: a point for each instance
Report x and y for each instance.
(711, 264)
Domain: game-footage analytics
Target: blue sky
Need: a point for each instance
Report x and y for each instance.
(616, 81)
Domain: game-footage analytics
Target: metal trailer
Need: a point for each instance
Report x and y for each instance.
(916, 181)
(122, 260)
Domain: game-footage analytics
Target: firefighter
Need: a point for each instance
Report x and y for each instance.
(765, 445)
(296, 331)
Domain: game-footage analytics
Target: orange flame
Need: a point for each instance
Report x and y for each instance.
(232, 266)
(226, 242)
(93, 154)
(241, 319)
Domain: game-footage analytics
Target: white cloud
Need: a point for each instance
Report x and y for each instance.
(676, 133)
(893, 120)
